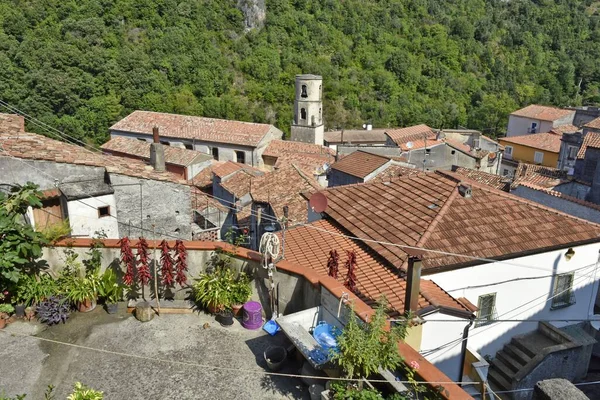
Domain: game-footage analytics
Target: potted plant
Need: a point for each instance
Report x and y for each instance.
(110, 290)
(5, 311)
(240, 293)
(213, 289)
(82, 392)
(82, 293)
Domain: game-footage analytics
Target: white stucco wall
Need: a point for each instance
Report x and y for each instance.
(528, 286)
(84, 220)
(437, 333)
(518, 126)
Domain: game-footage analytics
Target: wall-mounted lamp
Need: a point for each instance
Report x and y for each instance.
(569, 254)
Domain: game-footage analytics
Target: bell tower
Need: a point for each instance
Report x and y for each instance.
(308, 110)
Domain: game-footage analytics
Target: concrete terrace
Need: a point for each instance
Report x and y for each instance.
(30, 364)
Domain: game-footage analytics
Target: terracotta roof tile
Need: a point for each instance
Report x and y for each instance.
(309, 157)
(173, 155)
(285, 186)
(229, 167)
(201, 201)
(204, 178)
(538, 175)
(544, 141)
(239, 183)
(591, 139)
(497, 181)
(543, 113)
(192, 127)
(567, 128)
(593, 124)
(560, 195)
(360, 163)
(425, 210)
(309, 246)
(413, 134)
(356, 136)
(393, 171)
(37, 147)
(12, 123)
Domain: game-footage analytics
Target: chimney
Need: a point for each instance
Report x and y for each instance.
(413, 280)
(157, 152)
(465, 190)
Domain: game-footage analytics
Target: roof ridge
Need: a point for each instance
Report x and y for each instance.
(199, 116)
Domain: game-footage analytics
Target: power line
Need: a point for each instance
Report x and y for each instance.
(531, 389)
(455, 342)
(216, 367)
(364, 240)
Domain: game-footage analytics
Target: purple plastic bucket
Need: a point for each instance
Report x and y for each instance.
(252, 315)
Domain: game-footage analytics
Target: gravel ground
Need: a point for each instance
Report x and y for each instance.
(184, 356)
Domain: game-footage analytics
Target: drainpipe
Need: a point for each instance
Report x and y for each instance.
(463, 350)
(413, 281)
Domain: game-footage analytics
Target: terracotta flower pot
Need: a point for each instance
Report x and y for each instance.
(213, 309)
(2, 323)
(87, 306)
(236, 308)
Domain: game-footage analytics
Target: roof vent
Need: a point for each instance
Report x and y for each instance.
(465, 190)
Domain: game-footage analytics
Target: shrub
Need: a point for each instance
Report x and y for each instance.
(82, 392)
(53, 310)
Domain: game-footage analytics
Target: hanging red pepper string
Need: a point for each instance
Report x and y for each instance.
(143, 269)
(350, 282)
(332, 264)
(167, 264)
(181, 263)
(128, 260)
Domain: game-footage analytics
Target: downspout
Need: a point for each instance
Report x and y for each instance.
(463, 350)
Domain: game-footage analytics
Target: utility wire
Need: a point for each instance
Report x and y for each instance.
(215, 367)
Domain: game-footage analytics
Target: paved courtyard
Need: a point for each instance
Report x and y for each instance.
(170, 357)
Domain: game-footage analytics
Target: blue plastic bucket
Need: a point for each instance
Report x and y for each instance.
(326, 335)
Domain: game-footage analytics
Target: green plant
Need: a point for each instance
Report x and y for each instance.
(6, 309)
(345, 391)
(32, 289)
(241, 289)
(80, 290)
(56, 231)
(17, 397)
(82, 392)
(213, 289)
(363, 349)
(20, 244)
(110, 289)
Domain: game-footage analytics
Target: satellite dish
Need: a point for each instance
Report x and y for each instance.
(364, 126)
(318, 202)
(409, 145)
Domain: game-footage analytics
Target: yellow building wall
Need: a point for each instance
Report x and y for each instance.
(526, 154)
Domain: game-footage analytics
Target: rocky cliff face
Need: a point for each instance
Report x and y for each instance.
(255, 12)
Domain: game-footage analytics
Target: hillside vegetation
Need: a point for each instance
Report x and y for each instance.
(80, 65)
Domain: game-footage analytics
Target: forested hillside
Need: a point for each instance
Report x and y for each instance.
(80, 65)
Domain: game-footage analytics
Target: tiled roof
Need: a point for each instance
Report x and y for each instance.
(413, 134)
(538, 175)
(309, 246)
(12, 123)
(356, 136)
(238, 184)
(427, 211)
(173, 155)
(229, 167)
(282, 187)
(594, 124)
(37, 147)
(543, 113)
(204, 178)
(360, 163)
(497, 181)
(310, 157)
(560, 195)
(201, 201)
(394, 171)
(544, 141)
(191, 127)
(567, 128)
(591, 139)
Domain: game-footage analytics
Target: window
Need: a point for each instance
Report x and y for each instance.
(320, 116)
(303, 113)
(215, 153)
(508, 151)
(533, 128)
(505, 172)
(304, 93)
(240, 157)
(104, 211)
(538, 157)
(572, 152)
(563, 295)
(487, 309)
(189, 146)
